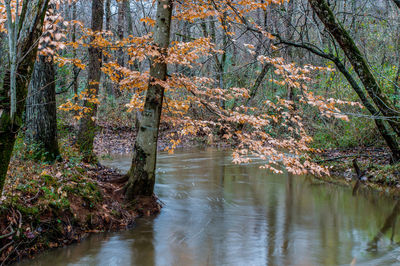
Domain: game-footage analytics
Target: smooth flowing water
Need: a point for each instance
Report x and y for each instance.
(218, 213)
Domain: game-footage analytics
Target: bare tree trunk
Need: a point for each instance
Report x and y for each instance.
(120, 32)
(128, 17)
(87, 126)
(142, 173)
(107, 84)
(29, 31)
(129, 21)
(41, 109)
(74, 53)
(120, 52)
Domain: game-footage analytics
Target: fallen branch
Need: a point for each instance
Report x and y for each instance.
(360, 176)
(349, 156)
(6, 246)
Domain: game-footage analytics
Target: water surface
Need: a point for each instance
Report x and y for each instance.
(217, 213)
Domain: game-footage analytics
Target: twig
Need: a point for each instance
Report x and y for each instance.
(7, 235)
(33, 198)
(4, 247)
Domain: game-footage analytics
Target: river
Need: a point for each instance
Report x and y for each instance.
(218, 213)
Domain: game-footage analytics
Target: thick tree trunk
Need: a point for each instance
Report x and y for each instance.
(29, 31)
(7, 140)
(360, 65)
(87, 126)
(3, 53)
(142, 173)
(41, 110)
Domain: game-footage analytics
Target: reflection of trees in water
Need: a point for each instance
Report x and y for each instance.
(288, 213)
(271, 230)
(142, 246)
(390, 223)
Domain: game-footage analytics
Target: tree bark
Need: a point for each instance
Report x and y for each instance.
(360, 65)
(128, 16)
(74, 53)
(397, 2)
(135, 65)
(29, 31)
(142, 173)
(41, 109)
(107, 83)
(87, 126)
(120, 32)
(3, 52)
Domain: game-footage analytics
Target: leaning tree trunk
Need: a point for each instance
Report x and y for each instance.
(87, 126)
(360, 65)
(28, 31)
(41, 109)
(142, 173)
(397, 2)
(380, 122)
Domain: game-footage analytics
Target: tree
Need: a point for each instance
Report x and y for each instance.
(26, 33)
(359, 63)
(380, 123)
(41, 109)
(142, 173)
(87, 126)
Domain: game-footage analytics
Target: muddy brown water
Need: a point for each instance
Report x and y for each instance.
(218, 213)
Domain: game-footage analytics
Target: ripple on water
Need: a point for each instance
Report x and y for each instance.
(217, 213)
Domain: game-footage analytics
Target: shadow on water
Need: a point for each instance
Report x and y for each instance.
(218, 213)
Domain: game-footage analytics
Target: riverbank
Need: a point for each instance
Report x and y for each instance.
(48, 206)
(377, 173)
